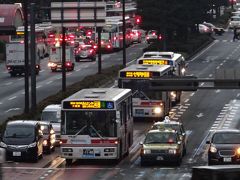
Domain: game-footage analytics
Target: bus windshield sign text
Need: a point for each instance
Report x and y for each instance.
(156, 61)
(136, 74)
(88, 105)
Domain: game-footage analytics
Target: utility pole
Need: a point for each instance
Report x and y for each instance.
(124, 33)
(26, 65)
(33, 58)
(99, 30)
(63, 59)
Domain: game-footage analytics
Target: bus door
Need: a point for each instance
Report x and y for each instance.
(124, 121)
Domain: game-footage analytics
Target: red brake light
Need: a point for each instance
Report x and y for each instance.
(154, 33)
(91, 51)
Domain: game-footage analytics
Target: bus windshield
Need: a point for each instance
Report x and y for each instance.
(92, 123)
(140, 89)
(110, 28)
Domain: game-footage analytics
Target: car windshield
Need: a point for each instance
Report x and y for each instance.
(157, 137)
(226, 138)
(19, 131)
(168, 126)
(50, 116)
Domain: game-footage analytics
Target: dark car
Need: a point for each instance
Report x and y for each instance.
(224, 147)
(49, 137)
(22, 139)
(85, 52)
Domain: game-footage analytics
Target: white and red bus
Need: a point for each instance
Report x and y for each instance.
(97, 124)
(147, 103)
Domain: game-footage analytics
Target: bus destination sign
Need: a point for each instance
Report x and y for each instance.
(156, 61)
(88, 105)
(136, 74)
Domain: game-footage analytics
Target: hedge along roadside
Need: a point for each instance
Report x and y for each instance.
(95, 80)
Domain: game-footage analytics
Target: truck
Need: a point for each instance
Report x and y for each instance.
(15, 59)
(55, 58)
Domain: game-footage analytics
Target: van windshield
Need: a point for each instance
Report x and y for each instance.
(50, 116)
(19, 132)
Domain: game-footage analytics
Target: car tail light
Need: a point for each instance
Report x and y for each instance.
(147, 37)
(37, 66)
(91, 51)
(68, 64)
(8, 68)
(95, 47)
(102, 42)
(115, 38)
(21, 42)
(154, 33)
(108, 46)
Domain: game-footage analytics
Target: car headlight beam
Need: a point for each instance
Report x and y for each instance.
(213, 149)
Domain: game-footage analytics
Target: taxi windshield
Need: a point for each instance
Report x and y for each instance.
(157, 137)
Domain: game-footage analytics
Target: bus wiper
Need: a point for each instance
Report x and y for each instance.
(99, 135)
(80, 130)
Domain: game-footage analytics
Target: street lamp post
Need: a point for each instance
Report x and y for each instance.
(124, 33)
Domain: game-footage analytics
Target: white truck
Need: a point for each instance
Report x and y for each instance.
(55, 58)
(15, 59)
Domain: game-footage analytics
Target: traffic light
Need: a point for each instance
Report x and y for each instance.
(138, 19)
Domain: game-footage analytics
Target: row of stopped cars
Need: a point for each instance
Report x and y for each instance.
(30, 139)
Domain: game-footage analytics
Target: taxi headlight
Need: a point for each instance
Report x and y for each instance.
(238, 151)
(146, 151)
(45, 142)
(213, 149)
(157, 110)
(172, 151)
(2, 144)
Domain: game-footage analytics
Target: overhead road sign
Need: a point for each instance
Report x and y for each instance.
(75, 14)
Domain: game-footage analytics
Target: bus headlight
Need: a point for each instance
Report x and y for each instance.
(157, 110)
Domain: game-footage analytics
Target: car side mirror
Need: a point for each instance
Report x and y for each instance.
(141, 143)
(207, 142)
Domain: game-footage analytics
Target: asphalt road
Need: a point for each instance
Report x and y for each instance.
(201, 112)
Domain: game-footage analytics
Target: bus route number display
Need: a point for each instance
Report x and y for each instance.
(156, 61)
(88, 105)
(136, 74)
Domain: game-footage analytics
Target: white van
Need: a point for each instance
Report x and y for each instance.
(52, 113)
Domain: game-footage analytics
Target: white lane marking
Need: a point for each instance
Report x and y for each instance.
(203, 51)
(192, 94)
(200, 115)
(210, 75)
(218, 91)
(20, 79)
(11, 98)
(130, 62)
(39, 86)
(1, 103)
(68, 74)
(12, 109)
(9, 83)
(197, 151)
(49, 82)
(217, 67)
(187, 104)
(78, 70)
(60, 77)
(186, 100)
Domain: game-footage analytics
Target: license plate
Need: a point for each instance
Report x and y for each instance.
(88, 152)
(16, 153)
(227, 159)
(139, 111)
(159, 158)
